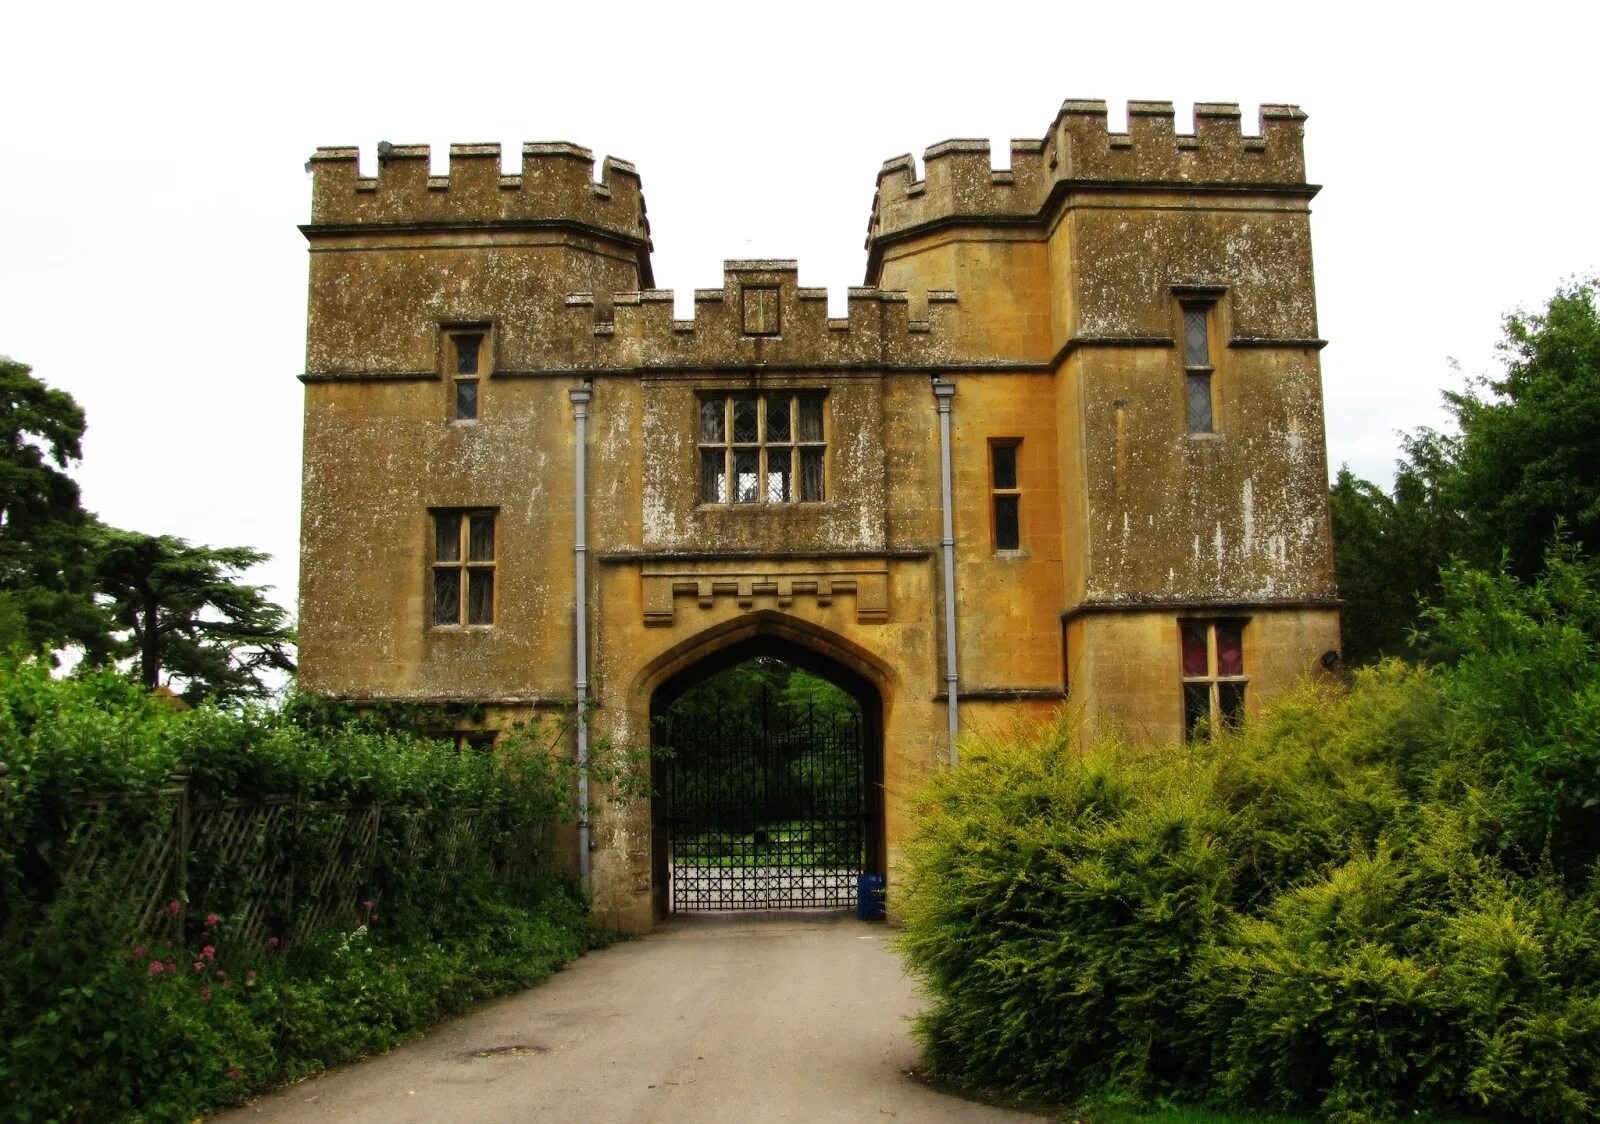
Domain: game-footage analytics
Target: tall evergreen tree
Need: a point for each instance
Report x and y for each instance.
(46, 577)
(185, 616)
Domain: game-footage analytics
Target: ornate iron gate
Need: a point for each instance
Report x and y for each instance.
(768, 818)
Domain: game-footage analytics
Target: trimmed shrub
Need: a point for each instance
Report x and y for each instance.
(1366, 903)
(1055, 905)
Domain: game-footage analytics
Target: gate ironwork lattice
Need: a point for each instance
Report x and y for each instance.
(769, 818)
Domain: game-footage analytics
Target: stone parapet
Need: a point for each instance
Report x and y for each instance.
(556, 183)
(959, 183)
(761, 316)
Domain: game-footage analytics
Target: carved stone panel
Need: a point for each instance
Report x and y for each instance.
(867, 581)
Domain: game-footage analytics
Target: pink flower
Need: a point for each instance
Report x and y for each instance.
(199, 965)
(139, 952)
(250, 975)
(234, 1074)
(221, 975)
(209, 952)
(212, 921)
(172, 908)
(206, 995)
(155, 968)
(366, 905)
(272, 942)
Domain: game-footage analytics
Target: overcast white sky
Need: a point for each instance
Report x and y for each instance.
(151, 178)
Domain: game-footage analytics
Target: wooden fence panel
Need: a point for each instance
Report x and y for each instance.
(241, 863)
(331, 883)
(131, 846)
(278, 867)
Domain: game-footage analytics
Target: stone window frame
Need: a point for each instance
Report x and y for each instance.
(1200, 306)
(471, 570)
(464, 384)
(1001, 496)
(716, 444)
(1212, 696)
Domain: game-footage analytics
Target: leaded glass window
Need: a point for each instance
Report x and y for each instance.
(447, 595)
(811, 475)
(1196, 337)
(713, 476)
(778, 420)
(763, 448)
(745, 475)
(1197, 365)
(466, 366)
(463, 568)
(1199, 383)
(811, 417)
(713, 423)
(744, 421)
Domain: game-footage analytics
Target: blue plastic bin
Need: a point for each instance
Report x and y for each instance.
(869, 897)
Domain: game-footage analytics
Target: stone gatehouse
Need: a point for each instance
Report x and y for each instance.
(1121, 328)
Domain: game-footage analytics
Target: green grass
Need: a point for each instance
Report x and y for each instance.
(1204, 1116)
(1185, 1116)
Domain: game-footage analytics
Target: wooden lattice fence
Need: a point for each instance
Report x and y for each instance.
(278, 867)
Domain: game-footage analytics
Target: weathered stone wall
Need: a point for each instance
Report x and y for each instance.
(377, 458)
(1125, 666)
(1049, 294)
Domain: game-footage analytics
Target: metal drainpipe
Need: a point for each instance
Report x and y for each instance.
(581, 396)
(943, 392)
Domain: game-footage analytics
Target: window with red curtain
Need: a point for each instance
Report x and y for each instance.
(1213, 677)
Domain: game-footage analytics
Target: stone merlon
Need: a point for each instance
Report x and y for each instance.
(556, 184)
(1080, 151)
(638, 329)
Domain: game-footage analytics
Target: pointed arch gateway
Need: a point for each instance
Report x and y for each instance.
(786, 816)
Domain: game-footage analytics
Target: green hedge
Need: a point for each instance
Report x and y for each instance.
(1366, 903)
(102, 1022)
(99, 732)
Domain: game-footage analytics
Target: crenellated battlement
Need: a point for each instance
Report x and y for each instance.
(958, 181)
(760, 316)
(556, 182)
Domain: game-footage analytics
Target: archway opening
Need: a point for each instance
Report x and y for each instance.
(768, 780)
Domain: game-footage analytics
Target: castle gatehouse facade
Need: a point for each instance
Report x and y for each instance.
(1066, 444)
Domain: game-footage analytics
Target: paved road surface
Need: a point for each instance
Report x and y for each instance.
(718, 1018)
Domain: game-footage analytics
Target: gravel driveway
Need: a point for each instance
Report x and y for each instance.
(717, 1017)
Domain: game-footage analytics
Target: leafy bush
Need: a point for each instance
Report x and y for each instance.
(1524, 700)
(1054, 902)
(100, 1024)
(1363, 904)
(143, 1028)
